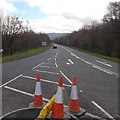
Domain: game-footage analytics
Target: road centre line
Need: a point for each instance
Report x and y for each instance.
(104, 63)
(45, 80)
(70, 61)
(46, 72)
(66, 77)
(23, 92)
(11, 80)
(106, 113)
(38, 65)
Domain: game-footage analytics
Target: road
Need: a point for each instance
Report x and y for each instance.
(97, 80)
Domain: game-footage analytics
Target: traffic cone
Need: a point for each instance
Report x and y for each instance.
(38, 102)
(58, 110)
(74, 107)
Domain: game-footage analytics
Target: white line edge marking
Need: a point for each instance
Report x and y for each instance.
(102, 110)
(25, 93)
(46, 72)
(45, 80)
(93, 65)
(70, 61)
(38, 65)
(104, 63)
(66, 77)
(11, 80)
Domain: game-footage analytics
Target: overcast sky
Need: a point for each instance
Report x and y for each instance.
(60, 16)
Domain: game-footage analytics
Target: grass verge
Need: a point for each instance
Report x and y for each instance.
(97, 55)
(21, 55)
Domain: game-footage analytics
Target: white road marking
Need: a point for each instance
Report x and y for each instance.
(38, 65)
(56, 65)
(93, 65)
(11, 80)
(23, 92)
(48, 59)
(46, 72)
(66, 77)
(70, 61)
(106, 113)
(104, 70)
(81, 91)
(44, 66)
(104, 63)
(45, 80)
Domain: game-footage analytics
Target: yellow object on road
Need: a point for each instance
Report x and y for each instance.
(46, 109)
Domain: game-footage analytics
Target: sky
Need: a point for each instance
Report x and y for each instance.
(55, 16)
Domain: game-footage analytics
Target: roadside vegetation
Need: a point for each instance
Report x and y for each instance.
(101, 38)
(29, 53)
(19, 40)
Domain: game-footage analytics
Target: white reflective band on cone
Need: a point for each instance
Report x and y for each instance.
(38, 90)
(59, 95)
(74, 93)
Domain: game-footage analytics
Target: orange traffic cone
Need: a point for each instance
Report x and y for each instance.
(38, 102)
(74, 102)
(57, 110)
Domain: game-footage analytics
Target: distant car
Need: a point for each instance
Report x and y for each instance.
(54, 47)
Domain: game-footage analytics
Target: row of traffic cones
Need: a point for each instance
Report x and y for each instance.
(58, 107)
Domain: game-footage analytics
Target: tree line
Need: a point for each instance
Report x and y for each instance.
(17, 36)
(102, 38)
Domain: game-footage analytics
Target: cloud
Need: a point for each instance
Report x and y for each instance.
(65, 15)
(6, 8)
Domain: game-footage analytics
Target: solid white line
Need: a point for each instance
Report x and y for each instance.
(46, 72)
(11, 80)
(23, 92)
(38, 65)
(45, 80)
(66, 77)
(102, 110)
(70, 61)
(45, 66)
(104, 63)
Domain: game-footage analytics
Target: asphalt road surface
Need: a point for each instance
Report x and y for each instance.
(97, 80)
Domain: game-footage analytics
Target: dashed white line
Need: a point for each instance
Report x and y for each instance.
(45, 80)
(106, 113)
(70, 61)
(11, 80)
(66, 77)
(48, 59)
(46, 72)
(38, 65)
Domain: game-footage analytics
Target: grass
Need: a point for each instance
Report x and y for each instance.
(97, 55)
(21, 55)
